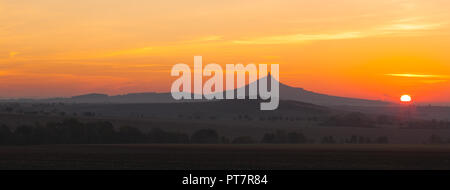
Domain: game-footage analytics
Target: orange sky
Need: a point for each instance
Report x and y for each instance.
(357, 48)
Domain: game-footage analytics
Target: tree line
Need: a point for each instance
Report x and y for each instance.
(72, 131)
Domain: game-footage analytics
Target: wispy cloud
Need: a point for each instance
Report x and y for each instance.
(209, 38)
(136, 51)
(410, 27)
(417, 75)
(298, 38)
(412, 24)
(154, 49)
(13, 54)
(401, 26)
(423, 78)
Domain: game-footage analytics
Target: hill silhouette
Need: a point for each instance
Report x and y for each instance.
(286, 93)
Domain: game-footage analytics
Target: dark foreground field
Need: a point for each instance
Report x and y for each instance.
(225, 157)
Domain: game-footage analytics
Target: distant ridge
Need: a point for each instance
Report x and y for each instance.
(286, 93)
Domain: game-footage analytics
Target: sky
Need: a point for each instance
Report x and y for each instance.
(354, 48)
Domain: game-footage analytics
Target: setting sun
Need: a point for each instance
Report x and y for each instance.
(405, 98)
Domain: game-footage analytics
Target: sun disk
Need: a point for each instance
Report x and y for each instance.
(405, 98)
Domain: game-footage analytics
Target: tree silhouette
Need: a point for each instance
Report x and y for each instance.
(5, 134)
(205, 136)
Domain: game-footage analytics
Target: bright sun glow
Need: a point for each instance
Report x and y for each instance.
(405, 98)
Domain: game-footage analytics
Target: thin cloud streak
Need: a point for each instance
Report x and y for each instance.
(397, 28)
(409, 75)
(298, 38)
